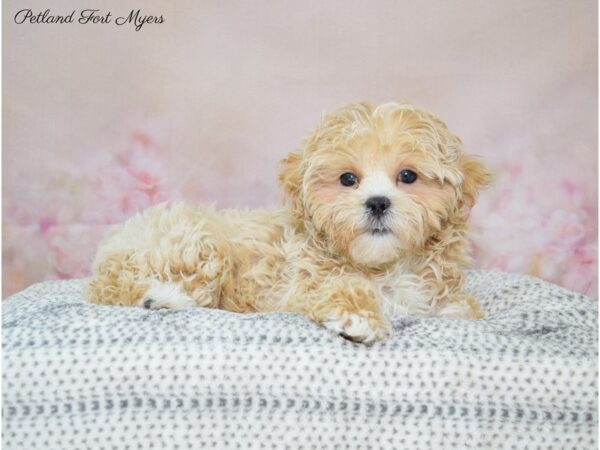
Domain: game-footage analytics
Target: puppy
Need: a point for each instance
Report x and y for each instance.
(374, 226)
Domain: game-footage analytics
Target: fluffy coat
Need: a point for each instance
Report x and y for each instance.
(325, 254)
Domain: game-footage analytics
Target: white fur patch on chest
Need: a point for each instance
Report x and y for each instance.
(402, 293)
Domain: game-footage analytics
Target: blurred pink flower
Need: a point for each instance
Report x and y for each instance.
(538, 218)
(74, 206)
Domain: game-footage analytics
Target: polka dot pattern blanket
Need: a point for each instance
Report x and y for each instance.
(82, 376)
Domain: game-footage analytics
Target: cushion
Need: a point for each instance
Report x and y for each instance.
(82, 376)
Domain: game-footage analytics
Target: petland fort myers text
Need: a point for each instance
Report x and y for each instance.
(135, 18)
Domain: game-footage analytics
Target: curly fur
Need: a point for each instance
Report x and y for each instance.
(318, 255)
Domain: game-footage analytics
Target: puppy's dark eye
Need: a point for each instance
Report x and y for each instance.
(348, 179)
(407, 176)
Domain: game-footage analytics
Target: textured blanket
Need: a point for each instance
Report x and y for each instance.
(82, 376)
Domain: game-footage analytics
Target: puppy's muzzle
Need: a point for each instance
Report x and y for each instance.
(377, 206)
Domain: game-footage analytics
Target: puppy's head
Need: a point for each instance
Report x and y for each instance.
(377, 184)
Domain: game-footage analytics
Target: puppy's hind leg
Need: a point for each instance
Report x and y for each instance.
(197, 270)
(166, 295)
(124, 279)
(120, 278)
(175, 257)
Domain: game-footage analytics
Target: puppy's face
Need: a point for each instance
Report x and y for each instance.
(377, 184)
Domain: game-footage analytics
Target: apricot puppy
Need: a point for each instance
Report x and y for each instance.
(374, 226)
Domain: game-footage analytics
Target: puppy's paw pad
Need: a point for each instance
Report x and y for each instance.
(359, 328)
(150, 303)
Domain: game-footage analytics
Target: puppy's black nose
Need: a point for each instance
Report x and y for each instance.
(377, 205)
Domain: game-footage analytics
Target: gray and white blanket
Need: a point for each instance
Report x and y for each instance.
(82, 376)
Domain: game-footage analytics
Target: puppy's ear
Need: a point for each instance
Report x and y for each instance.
(476, 177)
(290, 175)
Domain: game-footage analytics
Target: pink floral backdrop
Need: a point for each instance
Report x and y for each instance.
(101, 122)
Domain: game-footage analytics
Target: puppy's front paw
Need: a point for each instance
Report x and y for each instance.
(359, 327)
